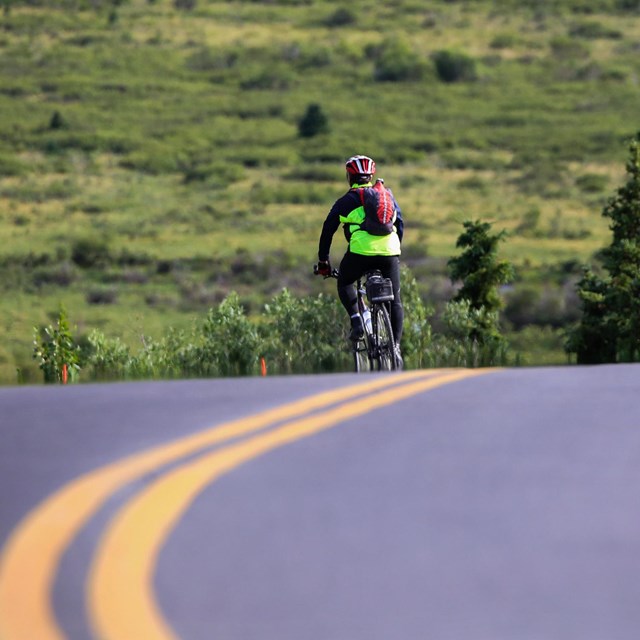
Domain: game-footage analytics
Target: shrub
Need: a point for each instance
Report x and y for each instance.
(543, 306)
(565, 47)
(61, 275)
(628, 5)
(102, 296)
(592, 183)
(397, 61)
(56, 351)
(106, 358)
(229, 341)
(204, 59)
(341, 17)
(417, 337)
(452, 66)
(302, 335)
(594, 30)
(503, 41)
(276, 77)
(90, 252)
(153, 161)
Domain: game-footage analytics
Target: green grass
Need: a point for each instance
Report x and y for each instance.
(183, 147)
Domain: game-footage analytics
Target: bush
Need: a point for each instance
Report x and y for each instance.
(504, 41)
(456, 347)
(102, 296)
(396, 62)
(276, 77)
(90, 252)
(229, 341)
(341, 17)
(565, 47)
(106, 358)
(594, 30)
(56, 351)
(303, 335)
(452, 66)
(592, 183)
(417, 336)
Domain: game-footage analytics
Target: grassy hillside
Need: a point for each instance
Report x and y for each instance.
(151, 161)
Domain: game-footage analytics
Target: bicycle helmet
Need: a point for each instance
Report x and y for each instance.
(360, 166)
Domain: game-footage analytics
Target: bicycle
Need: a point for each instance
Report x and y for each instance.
(376, 349)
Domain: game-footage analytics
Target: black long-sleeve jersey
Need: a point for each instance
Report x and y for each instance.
(343, 206)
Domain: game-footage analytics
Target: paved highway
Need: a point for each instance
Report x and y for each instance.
(444, 504)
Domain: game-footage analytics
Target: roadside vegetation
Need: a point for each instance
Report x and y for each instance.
(166, 161)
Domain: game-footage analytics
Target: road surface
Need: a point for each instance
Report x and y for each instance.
(444, 504)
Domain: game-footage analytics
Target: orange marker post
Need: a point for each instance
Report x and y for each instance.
(65, 374)
(263, 367)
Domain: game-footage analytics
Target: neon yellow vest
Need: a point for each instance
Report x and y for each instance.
(364, 243)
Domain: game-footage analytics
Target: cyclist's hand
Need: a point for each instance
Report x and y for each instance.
(323, 268)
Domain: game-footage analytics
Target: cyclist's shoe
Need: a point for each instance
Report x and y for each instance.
(357, 330)
(399, 360)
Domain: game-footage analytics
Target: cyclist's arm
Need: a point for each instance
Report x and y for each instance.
(329, 228)
(399, 224)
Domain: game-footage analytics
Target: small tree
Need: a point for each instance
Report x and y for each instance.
(313, 122)
(56, 350)
(478, 266)
(593, 340)
(58, 121)
(481, 272)
(609, 330)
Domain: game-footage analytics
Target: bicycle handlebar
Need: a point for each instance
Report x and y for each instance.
(333, 274)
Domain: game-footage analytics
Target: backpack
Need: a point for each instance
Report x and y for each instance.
(379, 209)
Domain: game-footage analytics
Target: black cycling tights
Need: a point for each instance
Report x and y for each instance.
(354, 266)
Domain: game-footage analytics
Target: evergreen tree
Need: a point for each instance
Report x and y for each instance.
(593, 340)
(313, 122)
(481, 272)
(478, 266)
(609, 330)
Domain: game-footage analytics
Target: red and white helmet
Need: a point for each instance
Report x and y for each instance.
(360, 166)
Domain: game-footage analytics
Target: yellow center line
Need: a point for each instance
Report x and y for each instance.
(31, 557)
(121, 601)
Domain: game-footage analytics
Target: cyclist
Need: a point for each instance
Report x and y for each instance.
(365, 251)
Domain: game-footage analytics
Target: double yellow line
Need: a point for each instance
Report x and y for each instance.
(120, 598)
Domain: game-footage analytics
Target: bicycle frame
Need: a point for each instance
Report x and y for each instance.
(378, 341)
(375, 351)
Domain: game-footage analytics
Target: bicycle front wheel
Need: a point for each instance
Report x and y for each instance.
(384, 351)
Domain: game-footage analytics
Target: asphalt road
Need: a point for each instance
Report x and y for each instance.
(445, 505)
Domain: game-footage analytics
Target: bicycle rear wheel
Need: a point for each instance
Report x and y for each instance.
(384, 351)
